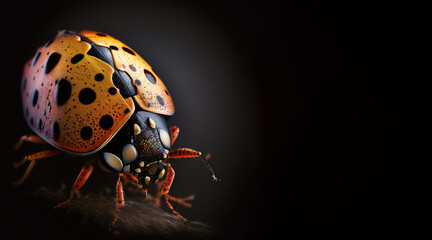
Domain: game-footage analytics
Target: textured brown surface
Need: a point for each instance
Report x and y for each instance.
(89, 217)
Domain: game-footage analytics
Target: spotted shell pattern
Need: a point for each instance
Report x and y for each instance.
(69, 98)
(152, 95)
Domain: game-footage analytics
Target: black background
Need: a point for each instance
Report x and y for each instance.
(312, 111)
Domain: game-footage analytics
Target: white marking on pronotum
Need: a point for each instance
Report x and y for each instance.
(137, 129)
(152, 123)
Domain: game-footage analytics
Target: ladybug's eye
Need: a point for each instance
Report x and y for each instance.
(112, 162)
(129, 153)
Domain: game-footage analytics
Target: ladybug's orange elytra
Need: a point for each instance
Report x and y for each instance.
(69, 98)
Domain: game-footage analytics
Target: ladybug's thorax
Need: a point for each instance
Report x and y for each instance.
(141, 147)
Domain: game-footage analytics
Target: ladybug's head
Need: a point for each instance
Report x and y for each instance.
(151, 139)
(140, 148)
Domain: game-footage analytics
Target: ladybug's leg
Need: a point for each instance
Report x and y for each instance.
(184, 153)
(134, 181)
(30, 138)
(174, 132)
(156, 199)
(32, 158)
(165, 190)
(182, 201)
(80, 181)
(120, 200)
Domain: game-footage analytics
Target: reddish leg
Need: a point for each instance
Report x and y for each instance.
(131, 178)
(174, 132)
(30, 138)
(182, 201)
(184, 153)
(134, 181)
(32, 158)
(157, 198)
(120, 200)
(165, 190)
(79, 182)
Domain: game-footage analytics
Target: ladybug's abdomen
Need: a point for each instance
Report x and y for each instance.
(69, 98)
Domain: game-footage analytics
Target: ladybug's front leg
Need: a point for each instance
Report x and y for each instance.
(120, 200)
(165, 190)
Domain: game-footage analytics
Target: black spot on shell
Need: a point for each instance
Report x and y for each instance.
(86, 133)
(126, 111)
(40, 124)
(56, 131)
(137, 82)
(99, 77)
(49, 106)
(23, 84)
(101, 34)
(34, 97)
(77, 58)
(51, 62)
(113, 47)
(62, 92)
(106, 122)
(132, 68)
(36, 57)
(160, 100)
(112, 90)
(86, 96)
(150, 76)
(128, 50)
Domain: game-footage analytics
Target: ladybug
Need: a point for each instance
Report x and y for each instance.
(87, 94)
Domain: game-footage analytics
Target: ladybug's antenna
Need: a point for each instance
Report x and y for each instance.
(188, 153)
(206, 163)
